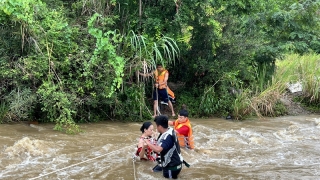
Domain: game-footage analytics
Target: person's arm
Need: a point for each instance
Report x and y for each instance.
(146, 74)
(141, 144)
(164, 145)
(171, 123)
(155, 148)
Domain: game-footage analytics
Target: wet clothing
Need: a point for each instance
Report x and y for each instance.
(171, 173)
(184, 130)
(184, 134)
(157, 168)
(149, 153)
(171, 159)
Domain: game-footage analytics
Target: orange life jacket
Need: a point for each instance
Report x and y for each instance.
(159, 78)
(185, 141)
(170, 93)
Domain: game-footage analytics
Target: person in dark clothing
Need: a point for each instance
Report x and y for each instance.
(168, 147)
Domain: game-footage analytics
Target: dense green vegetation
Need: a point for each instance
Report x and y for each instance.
(76, 61)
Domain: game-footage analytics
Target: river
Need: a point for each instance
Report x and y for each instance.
(272, 148)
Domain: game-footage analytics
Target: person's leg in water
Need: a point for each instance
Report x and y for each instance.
(170, 173)
(157, 168)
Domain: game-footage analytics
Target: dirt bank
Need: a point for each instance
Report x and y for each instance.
(294, 108)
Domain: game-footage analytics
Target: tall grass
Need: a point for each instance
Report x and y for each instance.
(292, 69)
(304, 69)
(241, 105)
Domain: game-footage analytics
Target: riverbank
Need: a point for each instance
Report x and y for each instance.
(293, 108)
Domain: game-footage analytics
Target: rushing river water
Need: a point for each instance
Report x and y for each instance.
(273, 148)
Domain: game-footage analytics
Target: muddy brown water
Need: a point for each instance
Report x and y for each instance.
(273, 148)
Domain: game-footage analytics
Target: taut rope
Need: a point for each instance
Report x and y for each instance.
(134, 168)
(77, 164)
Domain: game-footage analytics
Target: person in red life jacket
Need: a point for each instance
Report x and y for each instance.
(183, 129)
(161, 76)
(144, 151)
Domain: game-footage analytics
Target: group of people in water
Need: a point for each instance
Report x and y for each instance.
(165, 150)
(173, 135)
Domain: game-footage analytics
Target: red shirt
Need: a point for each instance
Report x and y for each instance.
(184, 130)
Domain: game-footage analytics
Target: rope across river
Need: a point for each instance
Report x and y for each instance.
(43, 175)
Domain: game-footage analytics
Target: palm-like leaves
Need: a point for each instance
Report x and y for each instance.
(147, 53)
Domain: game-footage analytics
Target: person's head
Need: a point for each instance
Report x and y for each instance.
(147, 128)
(159, 67)
(183, 115)
(161, 122)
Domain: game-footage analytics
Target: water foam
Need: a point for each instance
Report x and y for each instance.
(27, 147)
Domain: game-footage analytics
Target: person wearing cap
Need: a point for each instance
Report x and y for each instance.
(183, 129)
(168, 147)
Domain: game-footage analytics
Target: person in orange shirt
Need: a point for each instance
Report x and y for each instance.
(183, 129)
(161, 76)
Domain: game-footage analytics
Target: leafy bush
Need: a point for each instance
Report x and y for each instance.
(129, 104)
(21, 104)
(190, 100)
(4, 109)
